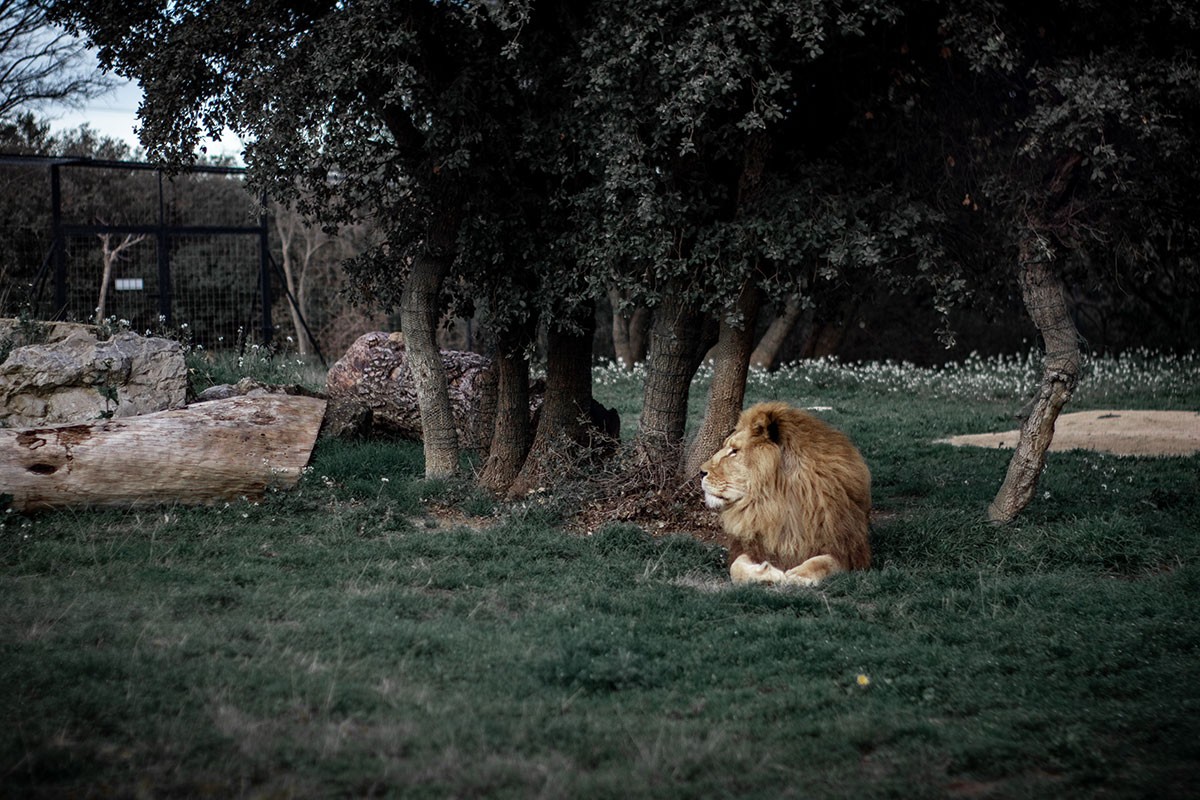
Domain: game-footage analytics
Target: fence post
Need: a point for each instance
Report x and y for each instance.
(58, 244)
(164, 259)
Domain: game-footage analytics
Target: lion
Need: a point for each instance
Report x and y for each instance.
(794, 495)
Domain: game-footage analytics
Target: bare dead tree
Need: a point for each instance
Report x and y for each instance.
(299, 242)
(41, 62)
(111, 254)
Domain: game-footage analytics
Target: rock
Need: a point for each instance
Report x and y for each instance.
(374, 374)
(346, 419)
(370, 388)
(248, 387)
(222, 391)
(70, 375)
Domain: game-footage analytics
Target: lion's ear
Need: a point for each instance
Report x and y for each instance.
(765, 425)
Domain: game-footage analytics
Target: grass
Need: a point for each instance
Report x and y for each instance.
(341, 639)
(265, 363)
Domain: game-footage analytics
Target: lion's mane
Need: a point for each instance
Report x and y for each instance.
(790, 487)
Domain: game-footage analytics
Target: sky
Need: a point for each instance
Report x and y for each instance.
(115, 115)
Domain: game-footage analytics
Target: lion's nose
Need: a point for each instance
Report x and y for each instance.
(703, 474)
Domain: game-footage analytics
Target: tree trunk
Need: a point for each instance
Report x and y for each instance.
(628, 330)
(1044, 297)
(766, 353)
(731, 362)
(825, 338)
(294, 304)
(677, 346)
(564, 421)
(735, 338)
(639, 329)
(420, 310)
(511, 436)
(104, 280)
(207, 452)
(110, 255)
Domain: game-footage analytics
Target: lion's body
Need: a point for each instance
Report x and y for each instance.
(794, 495)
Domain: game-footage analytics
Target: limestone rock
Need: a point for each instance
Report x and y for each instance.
(370, 389)
(72, 376)
(248, 387)
(346, 419)
(374, 374)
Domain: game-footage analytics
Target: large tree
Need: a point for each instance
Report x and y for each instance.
(714, 124)
(528, 158)
(1060, 142)
(522, 250)
(370, 108)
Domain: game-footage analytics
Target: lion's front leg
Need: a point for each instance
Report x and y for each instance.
(744, 569)
(813, 571)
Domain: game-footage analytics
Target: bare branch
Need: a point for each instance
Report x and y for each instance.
(42, 63)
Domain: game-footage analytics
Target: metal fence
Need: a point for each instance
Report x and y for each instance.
(126, 240)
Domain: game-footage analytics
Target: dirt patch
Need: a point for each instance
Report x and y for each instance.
(660, 512)
(1122, 433)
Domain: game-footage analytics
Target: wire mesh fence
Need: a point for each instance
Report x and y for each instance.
(85, 240)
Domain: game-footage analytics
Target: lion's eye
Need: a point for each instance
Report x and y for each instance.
(733, 451)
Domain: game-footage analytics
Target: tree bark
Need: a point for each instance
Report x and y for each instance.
(512, 433)
(735, 337)
(286, 232)
(207, 452)
(1045, 299)
(731, 362)
(677, 346)
(289, 225)
(825, 338)
(564, 421)
(766, 352)
(420, 310)
(628, 331)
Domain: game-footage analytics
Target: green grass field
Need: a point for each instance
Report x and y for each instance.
(341, 639)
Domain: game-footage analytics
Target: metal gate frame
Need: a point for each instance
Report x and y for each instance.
(161, 231)
(55, 263)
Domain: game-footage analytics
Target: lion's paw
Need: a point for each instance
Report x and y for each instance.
(812, 571)
(746, 570)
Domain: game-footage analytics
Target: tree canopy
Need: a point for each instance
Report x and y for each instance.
(528, 157)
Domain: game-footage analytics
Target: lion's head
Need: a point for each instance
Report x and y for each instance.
(747, 462)
(790, 487)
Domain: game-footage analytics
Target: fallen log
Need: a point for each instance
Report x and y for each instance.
(204, 453)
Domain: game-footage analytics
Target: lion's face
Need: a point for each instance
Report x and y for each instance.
(743, 464)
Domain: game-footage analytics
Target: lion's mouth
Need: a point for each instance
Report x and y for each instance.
(711, 500)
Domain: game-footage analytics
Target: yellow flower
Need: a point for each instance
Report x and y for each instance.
(863, 680)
